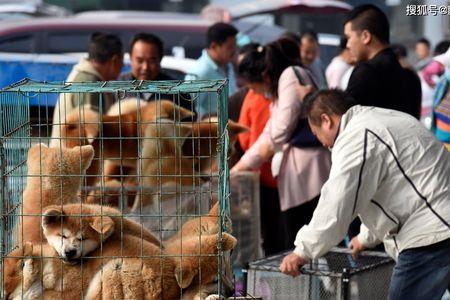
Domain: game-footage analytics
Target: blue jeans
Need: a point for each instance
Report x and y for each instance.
(421, 273)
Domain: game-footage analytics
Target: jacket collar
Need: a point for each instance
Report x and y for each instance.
(84, 65)
(348, 116)
(208, 60)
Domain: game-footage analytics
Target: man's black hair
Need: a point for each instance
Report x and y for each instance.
(248, 47)
(371, 18)
(424, 41)
(148, 38)
(309, 34)
(400, 50)
(219, 33)
(441, 47)
(104, 46)
(330, 102)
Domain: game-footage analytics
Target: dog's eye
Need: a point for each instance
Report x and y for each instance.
(80, 239)
(63, 236)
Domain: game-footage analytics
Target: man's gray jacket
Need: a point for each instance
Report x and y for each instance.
(391, 172)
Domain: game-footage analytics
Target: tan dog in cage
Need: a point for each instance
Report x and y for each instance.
(164, 168)
(207, 225)
(54, 177)
(75, 230)
(204, 142)
(34, 271)
(117, 139)
(177, 157)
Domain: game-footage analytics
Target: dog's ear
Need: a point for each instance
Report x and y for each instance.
(52, 215)
(214, 211)
(86, 153)
(228, 241)
(103, 225)
(184, 272)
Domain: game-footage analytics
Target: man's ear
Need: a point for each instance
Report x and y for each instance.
(326, 121)
(366, 36)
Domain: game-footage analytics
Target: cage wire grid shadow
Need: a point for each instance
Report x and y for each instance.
(117, 198)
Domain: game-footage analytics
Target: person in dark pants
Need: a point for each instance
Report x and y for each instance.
(146, 53)
(391, 171)
(378, 78)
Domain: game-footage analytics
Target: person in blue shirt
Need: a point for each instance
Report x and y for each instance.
(215, 63)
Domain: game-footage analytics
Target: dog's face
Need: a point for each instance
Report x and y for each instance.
(80, 127)
(202, 144)
(74, 235)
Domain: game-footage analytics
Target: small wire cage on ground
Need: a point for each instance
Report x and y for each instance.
(245, 217)
(334, 276)
(125, 199)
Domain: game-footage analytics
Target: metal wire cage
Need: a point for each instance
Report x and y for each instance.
(156, 178)
(334, 276)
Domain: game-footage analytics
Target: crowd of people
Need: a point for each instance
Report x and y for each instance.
(340, 150)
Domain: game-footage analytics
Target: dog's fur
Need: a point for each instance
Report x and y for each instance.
(202, 145)
(164, 169)
(126, 278)
(114, 137)
(147, 274)
(115, 193)
(176, 156)
(197, 229)
(75, 230)
(54, 177)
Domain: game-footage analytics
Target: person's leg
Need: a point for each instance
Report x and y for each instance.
(421, 273)
(272, 226)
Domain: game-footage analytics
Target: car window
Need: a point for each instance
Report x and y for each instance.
(20, 44)
(60, 42)
(77, 41)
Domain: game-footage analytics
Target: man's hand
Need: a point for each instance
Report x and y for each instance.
(303, 90)
(291, 264)
(356, 247)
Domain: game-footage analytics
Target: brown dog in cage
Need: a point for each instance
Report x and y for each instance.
(115, 138)
(54, 177)
(75, 230)
(145, 272)
(178, 157)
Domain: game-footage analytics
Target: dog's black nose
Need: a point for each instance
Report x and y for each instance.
(71, 253)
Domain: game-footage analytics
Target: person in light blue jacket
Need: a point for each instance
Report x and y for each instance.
(215, 63)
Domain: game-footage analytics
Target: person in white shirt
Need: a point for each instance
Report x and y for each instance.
(339, 65)
(392, 173)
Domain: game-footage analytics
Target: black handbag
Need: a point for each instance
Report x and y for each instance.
(302, 137)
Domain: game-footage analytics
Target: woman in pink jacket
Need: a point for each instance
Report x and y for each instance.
(269, 70)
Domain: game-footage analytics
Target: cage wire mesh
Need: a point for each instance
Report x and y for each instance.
(336, 275)
(130, 215)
